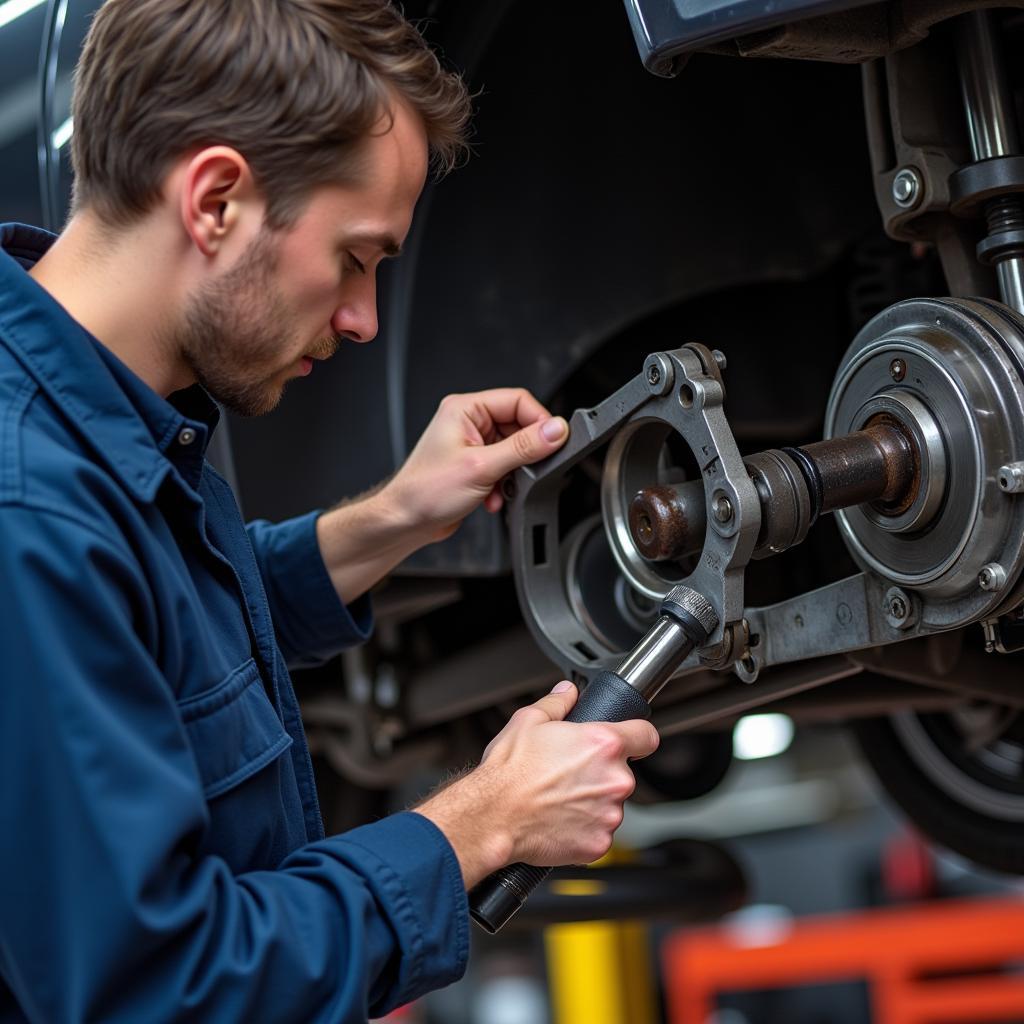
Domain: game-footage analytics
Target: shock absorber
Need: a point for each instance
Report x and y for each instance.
(995, 146)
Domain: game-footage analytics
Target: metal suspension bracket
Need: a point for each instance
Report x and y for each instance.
(945, 152)
(678, 393)
(923, 464)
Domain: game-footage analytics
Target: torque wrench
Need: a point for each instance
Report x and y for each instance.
(685, 621)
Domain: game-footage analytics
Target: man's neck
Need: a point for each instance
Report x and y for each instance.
(121, 290)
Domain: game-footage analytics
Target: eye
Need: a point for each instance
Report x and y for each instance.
(355, 264)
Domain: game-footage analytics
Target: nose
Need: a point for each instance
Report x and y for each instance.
(356, 320)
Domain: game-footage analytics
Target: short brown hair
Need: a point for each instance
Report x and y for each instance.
(293, 85)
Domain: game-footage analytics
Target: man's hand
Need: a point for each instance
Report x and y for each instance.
(546, 792)
(472, 442)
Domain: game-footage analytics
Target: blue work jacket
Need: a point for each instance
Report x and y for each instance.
(163, 857)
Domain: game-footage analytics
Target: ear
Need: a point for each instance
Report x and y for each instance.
(218, 197)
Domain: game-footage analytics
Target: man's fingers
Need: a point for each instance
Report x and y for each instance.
(531, 444)
(511, 406)
(558, 703)
(640, 738)
(494, 500)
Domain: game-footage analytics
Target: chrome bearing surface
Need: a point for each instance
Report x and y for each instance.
(959, 396)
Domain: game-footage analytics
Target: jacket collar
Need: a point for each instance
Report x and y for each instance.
(134, 431)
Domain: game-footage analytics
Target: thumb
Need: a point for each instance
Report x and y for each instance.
(527, 445)
(559, 702)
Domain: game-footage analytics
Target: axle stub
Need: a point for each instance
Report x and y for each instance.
(880, 464)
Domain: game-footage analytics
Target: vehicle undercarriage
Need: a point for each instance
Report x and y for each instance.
(798, 362)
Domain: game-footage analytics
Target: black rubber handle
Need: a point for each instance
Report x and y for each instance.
(608, 698)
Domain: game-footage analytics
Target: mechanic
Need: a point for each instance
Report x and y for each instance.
(242, 167)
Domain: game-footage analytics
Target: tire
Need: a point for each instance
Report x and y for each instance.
(965, 800)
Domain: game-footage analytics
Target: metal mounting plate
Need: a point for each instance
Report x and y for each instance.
(675, 389)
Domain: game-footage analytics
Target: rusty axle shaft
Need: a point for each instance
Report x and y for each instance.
(874, 464)
(879, 465)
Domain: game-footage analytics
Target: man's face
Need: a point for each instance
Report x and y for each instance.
(295, 294)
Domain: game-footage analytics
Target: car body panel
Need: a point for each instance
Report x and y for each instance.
(665, 30)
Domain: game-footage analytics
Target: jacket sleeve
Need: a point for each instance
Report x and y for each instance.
(109, 913)
(310, 620)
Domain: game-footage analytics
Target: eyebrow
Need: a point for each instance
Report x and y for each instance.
(385, 242)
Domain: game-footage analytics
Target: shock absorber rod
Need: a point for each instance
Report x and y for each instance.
(686, 620)
(992, 127)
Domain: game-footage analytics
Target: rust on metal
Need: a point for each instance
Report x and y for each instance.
(878, 464)
(905, 476)
(664, 525)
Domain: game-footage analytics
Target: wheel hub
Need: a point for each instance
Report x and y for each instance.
(950, 371)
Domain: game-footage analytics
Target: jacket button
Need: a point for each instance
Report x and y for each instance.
(187, 436)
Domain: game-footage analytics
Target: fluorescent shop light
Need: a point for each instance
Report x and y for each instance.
(761, 736)
(62, 136)
(11, 9)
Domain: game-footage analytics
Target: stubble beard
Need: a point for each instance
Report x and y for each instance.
(234, 332)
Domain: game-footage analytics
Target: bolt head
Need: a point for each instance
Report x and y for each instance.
(899, 609)
(897, 370)
(907, 187)
(722, 509)
(1011, 477)
(658, 373)
(992, 576)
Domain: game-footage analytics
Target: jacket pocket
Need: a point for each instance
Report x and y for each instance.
(234, 730)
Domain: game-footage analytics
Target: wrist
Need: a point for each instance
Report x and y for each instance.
(399, 505)
(393, 508)
(375, 517)
(465, 811)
